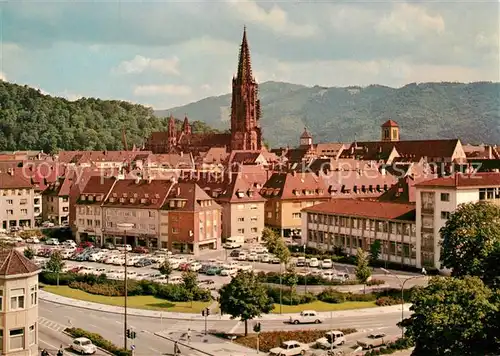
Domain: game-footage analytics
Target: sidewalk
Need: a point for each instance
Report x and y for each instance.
(49, 297)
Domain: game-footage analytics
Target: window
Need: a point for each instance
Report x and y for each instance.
(241, 219)
(296, 215)
(32, 335)
(175, 230)
(24, 211)
(1, 302)
(269, 215)
(1, 342)
(65, 199)
(65, 209)
(254, 229)
(16, 339)
(445, 215)
(240, 207)
(152, 214)
(253, 218)
(241, 231)
(17, 299)
(10, 212)
(445, 196)
(253, 207)
(23, 201)
(10, 201)
(34, 294)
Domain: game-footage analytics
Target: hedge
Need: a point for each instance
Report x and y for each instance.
(99, 341)
(399, 344)
(100, 285)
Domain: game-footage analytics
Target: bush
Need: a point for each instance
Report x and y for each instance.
(286, 299)
(99, 341)
(375, 282)
(399, 344)
(333, 296)
(100, 285)
(386, 301)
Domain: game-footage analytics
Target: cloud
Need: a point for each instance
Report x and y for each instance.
(139, 64)
(3, 76)
(410, 21)
(70, 96)
(154, 90)
(276, 19)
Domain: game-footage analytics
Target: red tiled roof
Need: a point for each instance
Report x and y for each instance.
(294, 185)
(154, 192)
(459, 180)
(14, 180)
(192, 194)
(96, 186)
(390, 123)
(365, 208)
(13, 262)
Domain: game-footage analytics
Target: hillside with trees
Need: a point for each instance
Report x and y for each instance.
(30, 120)
(424, 111)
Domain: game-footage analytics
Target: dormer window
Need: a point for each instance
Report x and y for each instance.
(82, 197)
(98, 198)
(154, 201)
(143, 201)
(146, 195)
(171, 203)
(122, 200)
(240, 194)
(124, 195)
(321, 191)
(157, 196)
(135, 195)
(250, 193)
(91, 198)
(115, 195)
(112, 200)
(132, 200)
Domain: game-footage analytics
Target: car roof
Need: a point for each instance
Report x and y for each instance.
(290, 342)
(81, 339)
(309, 311)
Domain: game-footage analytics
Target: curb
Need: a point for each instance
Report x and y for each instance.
(182, 344)
(98, 348)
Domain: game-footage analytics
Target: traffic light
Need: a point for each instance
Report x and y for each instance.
(128, 333)
(132, 334)
(257, 328)
(205, 312)
(208, 312)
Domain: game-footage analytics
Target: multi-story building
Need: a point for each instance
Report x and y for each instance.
(286, 195)
(55, 201)
(350, 224)
(191, 219)
(437, 198)
(18, 304)
(16, 200)
(88, 212)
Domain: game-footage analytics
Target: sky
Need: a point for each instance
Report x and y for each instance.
(168, 53)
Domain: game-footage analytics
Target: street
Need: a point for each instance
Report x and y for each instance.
(51, 340)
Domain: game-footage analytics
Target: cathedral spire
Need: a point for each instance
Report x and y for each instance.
(244, 63)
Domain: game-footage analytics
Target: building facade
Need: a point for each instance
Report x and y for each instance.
(55, 202)
(436, 199)
(16, 201)
(18, 304)
(349, 224)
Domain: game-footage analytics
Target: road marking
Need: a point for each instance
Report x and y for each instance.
(50, 324)
(48, 344)
(234, 328)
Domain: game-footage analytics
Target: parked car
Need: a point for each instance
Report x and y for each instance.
(229, 272)
(52, 241)
(314, 262)
(334, 337)
(301, 262)
(306, 317)
(83, 346)
(32, 240)
(213, 271)
(326, 263)
(375, 340)
(234, 253)
(47, 224)
(289, 348)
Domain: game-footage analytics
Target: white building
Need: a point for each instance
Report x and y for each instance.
(436, 199)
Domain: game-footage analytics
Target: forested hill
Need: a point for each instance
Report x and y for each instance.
(470, 112)
(32, 120)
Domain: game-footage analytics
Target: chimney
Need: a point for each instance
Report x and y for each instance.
(197, 175)
(182, 154)
(149, 179)
(456, 179)
(178, 191)
(490, 152)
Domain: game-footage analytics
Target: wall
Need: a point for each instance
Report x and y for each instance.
(23, 318)
(146, 220)
(252, 214)
(21, 199)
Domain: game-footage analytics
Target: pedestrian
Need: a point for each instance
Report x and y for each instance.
(189, 335)
(60, 352)
(176, 349)
(45, 353)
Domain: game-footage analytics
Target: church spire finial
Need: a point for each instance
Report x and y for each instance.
(244, 64)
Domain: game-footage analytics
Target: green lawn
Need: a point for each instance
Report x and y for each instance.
(140, 302)
(322, 306)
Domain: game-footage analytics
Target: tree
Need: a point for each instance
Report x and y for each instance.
(29, 253)
(245, 298)
(469, 237)
(55, 264)
(363, 271)
(453, 316)
(375, 249)
(270, 238)
(190, 282)
(291, 279)
(166, 269)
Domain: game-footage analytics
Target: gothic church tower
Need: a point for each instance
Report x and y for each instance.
(246, 133)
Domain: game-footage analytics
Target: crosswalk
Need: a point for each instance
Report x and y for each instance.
(50, 324)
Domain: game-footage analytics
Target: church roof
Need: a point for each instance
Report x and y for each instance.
(390, 123)
(306, 134)
(244, 64)
(13, 263)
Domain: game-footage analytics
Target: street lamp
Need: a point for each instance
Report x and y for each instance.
(307, 270)
(125, 227)
(402, 284)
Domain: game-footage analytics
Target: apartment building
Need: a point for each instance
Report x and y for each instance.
(437, 198)
(18, 304)
(286, 195)
(16, 200)
(88, 210)
(135, 201)
(55, 201)
(350, 224)
(190, 220)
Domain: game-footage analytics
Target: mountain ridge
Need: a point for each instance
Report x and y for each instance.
(469, 111)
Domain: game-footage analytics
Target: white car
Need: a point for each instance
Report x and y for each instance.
(69, 243)
(253, 256)
(242, 256)
(328, 275)
(289, 348)
(245, 267)
(33, 240)
(313, 262)
(83, 346)
(334, 337)
(233, 271)
(52, 242)
(326, 263)
(195, 266)
(306, 317)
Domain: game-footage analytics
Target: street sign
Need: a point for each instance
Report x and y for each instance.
(132, 347)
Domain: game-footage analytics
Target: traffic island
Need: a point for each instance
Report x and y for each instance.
(271, 339)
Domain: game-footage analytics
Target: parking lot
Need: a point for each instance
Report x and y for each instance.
(215, 268)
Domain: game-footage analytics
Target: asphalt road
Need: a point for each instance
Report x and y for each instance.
(51, 340)
(56, 317)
